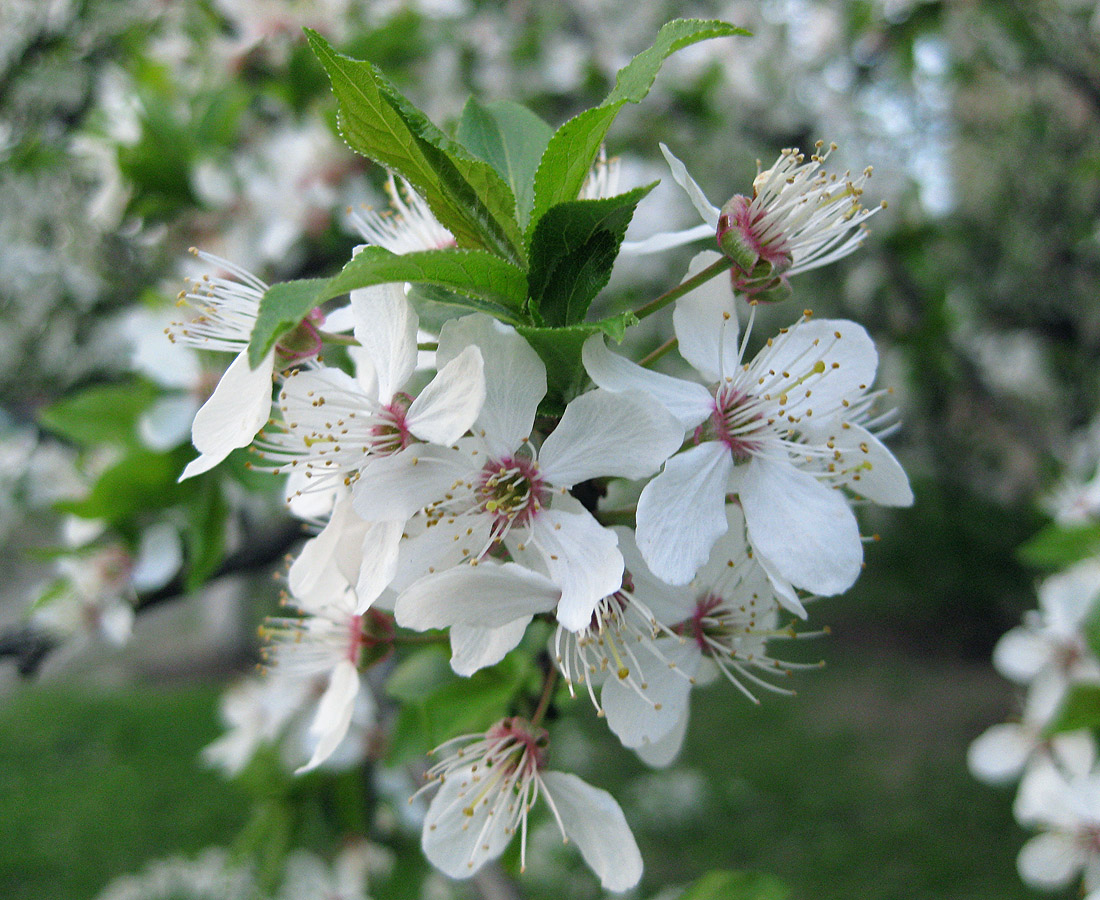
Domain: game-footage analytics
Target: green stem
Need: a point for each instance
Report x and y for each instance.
(715, 268)
(658, 353)
(331, 337)
(547, 694)
(428, 345)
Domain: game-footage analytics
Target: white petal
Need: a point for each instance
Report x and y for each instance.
(595, 823)
(1074, 752)
(340, 320)
(170, 364)
(457, 843)
(784, 591)
(385, 325)
(306, 499)
(603, 433)
(116, 622)
(869, 468)
(849, 361)
(1049, 861)
(489, 594)
(1045, 797)
(159, 557)
(1020, 654)
(689, 402)
(665, 240)
(707, 210)
(448, 407)
(999, 754)
(681, 512)
(705, 320)
(583, 559)
(394, 487)
(333, 713)
(315, 577)
(448, 542)
(661, 753)
(167, 423)
(806, 530)
(515, 377)
(378, 564)
(646, 718)
(238, 408)
(474, 647)
(1067, 598)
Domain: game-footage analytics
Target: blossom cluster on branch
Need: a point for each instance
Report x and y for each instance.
(461, 475)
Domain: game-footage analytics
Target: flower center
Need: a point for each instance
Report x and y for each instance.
(391, 432)
(704, 606)
(511, 490)
(747, 220)
(519, 741)
(736, 421)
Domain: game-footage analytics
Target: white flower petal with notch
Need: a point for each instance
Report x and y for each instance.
(583, 560)
(805, 529)
(235, 412)
(489, 595)
(451, 402)
(596, 824)
(603, 433)
(689, 402)
(385, 326)
(474, 647)
(515, 377)
(333, 713)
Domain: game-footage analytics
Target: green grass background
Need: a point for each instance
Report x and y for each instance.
(855, 789)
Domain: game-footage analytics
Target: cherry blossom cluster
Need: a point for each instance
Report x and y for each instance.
(1053, 758)
(446, 498)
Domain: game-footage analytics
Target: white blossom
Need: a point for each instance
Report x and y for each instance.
(487, 785)
(497, 489)
(781, 431)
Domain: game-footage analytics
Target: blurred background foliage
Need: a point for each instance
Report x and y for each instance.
(130, 131)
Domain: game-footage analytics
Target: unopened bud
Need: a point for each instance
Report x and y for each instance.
(775, 291)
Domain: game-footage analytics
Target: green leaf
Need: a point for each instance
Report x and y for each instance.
(205, 535)
(141, 481)
(574, 146)
(560, 349)
(426, 296)
(1057, 546)
(475, 273)
(1080, 709)
(728, 885)
(512, 140)
(105, 414)
(465, 193)
(573, 249)
(459, 706)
